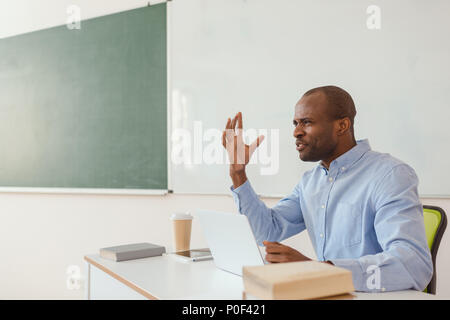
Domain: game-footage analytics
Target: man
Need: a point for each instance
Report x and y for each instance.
(360, 207)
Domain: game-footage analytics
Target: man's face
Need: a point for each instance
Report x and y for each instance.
(314, 131)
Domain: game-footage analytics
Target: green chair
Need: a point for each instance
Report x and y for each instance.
(435, 224)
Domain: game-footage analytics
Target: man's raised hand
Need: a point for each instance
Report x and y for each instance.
(239, 153)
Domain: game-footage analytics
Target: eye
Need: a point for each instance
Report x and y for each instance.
(302, 121)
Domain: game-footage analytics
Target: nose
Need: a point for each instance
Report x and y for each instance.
(298, 131)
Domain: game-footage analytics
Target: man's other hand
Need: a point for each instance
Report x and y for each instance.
(277, 252)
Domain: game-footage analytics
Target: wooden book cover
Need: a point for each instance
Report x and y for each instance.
(296, 280)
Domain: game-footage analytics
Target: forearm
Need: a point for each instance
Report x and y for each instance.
(272, 224)
(258, 214)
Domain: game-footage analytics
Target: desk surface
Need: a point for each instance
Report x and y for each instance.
(167, 277)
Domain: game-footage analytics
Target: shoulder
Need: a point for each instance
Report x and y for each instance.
(391, 177)
(383, 164)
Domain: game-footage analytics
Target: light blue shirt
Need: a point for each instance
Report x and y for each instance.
(363, 214)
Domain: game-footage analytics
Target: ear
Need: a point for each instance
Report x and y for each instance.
(343, 126)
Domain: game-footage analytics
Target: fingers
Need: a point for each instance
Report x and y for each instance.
(275, 247)
(233, 123)
(228, 133)
(224, 139)
(275, 252)
(255, 144)
(266, 243)
(237, 120)
(276, 258)
(224, 133)
(259, 140)
(239, 123)
(228, 125)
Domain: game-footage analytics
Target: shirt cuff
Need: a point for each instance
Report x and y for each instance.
(356, 269)
(244, 192)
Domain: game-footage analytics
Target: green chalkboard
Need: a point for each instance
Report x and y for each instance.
(86, 108)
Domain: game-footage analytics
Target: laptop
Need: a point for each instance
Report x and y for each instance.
(231, 240)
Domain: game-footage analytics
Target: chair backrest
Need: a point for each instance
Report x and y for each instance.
(435, 223)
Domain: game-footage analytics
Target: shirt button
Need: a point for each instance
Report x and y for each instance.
(330, 179)
(383, 289)
(323, 206)
(321, 235)
(343, 168)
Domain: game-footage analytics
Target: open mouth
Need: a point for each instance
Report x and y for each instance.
(300, 146)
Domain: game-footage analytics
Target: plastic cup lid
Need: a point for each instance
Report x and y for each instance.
(181, 216)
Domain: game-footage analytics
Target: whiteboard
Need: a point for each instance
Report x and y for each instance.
(260, 56)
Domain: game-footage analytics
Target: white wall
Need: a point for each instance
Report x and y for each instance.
(41, 235)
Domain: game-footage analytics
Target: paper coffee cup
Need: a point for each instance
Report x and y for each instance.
(182, 224)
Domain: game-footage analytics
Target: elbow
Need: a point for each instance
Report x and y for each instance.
(424, 273)
(428, 272)
(415, 265)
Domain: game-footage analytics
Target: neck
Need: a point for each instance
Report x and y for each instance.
(340, 150)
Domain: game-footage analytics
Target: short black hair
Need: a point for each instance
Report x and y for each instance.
(340, 103)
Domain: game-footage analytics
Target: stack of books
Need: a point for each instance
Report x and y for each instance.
(297, 280)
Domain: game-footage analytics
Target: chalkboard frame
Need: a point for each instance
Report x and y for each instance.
(124, 190)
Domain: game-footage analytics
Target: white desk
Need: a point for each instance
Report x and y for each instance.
(165, 277)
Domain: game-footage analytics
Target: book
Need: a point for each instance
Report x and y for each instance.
(132, 251)
(296, 280)
(345, 296)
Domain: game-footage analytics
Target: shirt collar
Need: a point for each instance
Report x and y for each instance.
(346, 160)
